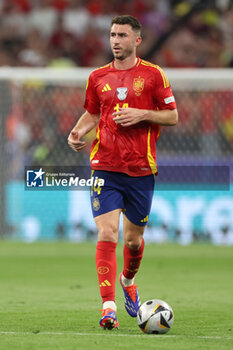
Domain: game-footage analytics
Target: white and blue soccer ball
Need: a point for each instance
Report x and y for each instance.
(155, 316)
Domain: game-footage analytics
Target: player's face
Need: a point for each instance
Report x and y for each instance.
(123, 41)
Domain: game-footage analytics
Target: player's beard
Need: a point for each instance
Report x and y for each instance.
(123, 55)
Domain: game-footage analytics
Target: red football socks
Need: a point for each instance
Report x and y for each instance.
(132, 260)
(106, 265)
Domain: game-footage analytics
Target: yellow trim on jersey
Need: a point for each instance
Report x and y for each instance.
(96, 147)
(149, 155)
(107, 65)
(148, 63)
(166, 83)
(92, 187)
(139, 61)
(165, 79)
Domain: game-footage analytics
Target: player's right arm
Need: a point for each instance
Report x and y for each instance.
(86, 123)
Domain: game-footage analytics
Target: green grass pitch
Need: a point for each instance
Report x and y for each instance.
(49, 297)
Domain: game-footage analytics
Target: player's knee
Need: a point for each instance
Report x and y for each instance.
(134, 243)
(108, 233)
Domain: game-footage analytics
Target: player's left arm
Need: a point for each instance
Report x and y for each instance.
(131, 116)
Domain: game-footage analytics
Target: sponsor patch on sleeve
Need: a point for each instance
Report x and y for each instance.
(169, 99)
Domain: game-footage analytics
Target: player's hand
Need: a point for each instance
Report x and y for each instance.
(74, 141)
(129, 116)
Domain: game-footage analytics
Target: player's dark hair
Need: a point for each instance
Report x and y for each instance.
(130, 20)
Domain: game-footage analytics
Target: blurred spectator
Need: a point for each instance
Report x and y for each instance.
(95, 7)
(23, 5)
(43, 18)
(180, 51)
(34, 54)
(226, 26)
(14, 20)
(64, 44)
(59, 5)
(102, 23)
(76, 18)
(6, 58)
(13, 29)
(90, 47)
(155, 16)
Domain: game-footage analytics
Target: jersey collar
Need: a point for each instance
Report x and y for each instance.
(136, 65)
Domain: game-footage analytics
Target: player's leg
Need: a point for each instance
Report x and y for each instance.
(106, 264)
(138, 201)
(133, 253)
(107, 202)
(133, 248)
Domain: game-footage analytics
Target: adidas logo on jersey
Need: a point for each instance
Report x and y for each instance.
(106, 88)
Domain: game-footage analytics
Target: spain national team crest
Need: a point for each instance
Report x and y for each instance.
(96, 204)
(138, 85)
(122, 93)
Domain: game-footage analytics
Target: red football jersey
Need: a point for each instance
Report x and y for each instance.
(132, 149)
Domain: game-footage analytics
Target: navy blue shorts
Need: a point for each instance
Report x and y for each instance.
(121, 191)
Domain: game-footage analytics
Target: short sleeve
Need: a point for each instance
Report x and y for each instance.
(92, 103)
(163, 94)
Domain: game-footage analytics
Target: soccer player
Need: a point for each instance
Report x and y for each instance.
(127, 101)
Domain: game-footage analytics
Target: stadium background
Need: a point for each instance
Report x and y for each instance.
(191, 40)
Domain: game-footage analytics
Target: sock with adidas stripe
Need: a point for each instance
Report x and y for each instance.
(106, 265)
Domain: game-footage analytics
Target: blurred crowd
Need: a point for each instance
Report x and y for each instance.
(39, 33)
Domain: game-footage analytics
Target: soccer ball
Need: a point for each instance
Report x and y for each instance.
(155, 316)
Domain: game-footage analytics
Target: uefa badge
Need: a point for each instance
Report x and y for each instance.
(122, 93)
